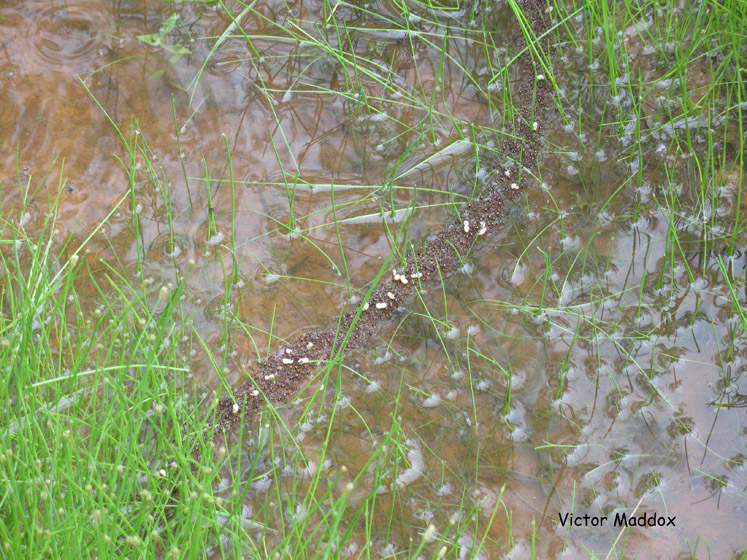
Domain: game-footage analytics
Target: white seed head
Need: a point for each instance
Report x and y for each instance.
(73, 260)
(429, 532)
(466, 226)
(287, 361)
(514, 186)
(541, 77)
(303, 360)
(310, 345)
(507, 173)
(288, 351)
(365, 306)
(270, 377)
(390, 295)
(254, 393)
(381, 305)
(483, 228)
(416, 275)
(535, 126)
(235, 408)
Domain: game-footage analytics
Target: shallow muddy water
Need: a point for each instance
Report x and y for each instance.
(582, 361)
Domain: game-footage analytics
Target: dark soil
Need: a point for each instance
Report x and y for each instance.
(282, 374)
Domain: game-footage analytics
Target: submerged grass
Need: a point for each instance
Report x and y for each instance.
(106, 446)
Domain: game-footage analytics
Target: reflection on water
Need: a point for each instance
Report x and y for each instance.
(573, 366)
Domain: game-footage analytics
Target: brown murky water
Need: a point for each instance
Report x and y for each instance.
(555, 382)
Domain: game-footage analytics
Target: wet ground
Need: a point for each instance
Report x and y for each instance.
(578, 360)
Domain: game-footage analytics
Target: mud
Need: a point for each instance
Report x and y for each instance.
(283, 373)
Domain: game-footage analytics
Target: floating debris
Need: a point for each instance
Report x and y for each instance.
(443, 253)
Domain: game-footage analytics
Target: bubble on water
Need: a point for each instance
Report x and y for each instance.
(175, 253)
(453, 333)
(466, 549)
(466, 269)
(390, 550)
(382, 359)
(432, 401)
(415, 470)
(572, 243)
(519, 275)
(373, 387)
(217, 238)
(309, 470)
